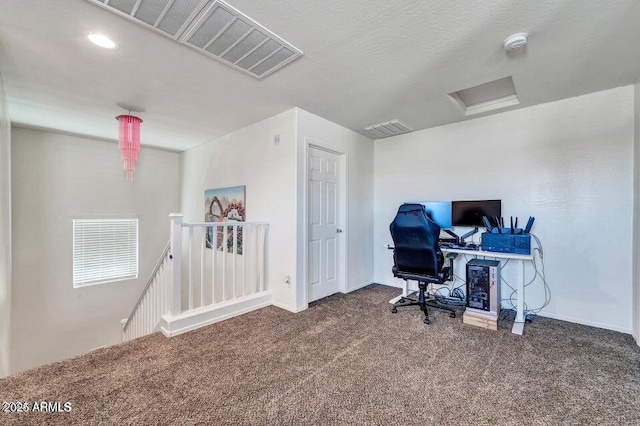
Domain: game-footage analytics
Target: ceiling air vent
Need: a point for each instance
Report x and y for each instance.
(485, 97)
(389, 128)
(213, 28)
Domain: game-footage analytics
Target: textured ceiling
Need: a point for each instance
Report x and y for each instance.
(365, 61)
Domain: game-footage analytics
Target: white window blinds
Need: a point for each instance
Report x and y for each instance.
(104, 250)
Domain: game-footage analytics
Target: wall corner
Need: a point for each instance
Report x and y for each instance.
(5, 236)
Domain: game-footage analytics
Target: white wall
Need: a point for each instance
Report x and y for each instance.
(55, 178)
(636, 215)
(5, 235)
(568, 163)
(358, 228)
(249, 157)
(274, 179)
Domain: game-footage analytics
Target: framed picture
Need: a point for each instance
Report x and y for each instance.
(225, 205)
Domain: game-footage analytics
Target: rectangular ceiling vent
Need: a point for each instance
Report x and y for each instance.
(485, 97)
(389, 128)
(211, 27)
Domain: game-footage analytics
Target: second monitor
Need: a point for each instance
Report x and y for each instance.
(469, 213)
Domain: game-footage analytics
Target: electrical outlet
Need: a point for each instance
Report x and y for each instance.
(287, 280)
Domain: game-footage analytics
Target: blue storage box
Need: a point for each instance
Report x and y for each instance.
(507, 243)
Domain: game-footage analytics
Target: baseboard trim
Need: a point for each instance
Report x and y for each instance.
(583, 322)
(412, 286)
(571, 319)
(361, 285)
(173, 326)
(300, 309)
(288, 308)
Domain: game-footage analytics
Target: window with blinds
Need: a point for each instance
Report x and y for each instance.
(104, 250)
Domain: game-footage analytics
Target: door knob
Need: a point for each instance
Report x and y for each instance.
(339, 231)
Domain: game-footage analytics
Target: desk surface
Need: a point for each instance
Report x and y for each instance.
(482, 253)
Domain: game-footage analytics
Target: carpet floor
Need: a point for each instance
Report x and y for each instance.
(345, 360)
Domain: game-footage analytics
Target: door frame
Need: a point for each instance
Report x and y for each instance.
(344, 214)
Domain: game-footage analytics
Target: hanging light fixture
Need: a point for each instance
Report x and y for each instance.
(129, 142)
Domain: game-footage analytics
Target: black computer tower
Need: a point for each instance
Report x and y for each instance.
(483, 285)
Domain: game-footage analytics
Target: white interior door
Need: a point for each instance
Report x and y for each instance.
(324, 224)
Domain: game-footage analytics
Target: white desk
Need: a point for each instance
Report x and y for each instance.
(518, 324)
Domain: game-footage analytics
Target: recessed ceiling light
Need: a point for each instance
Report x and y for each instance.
(102, 41)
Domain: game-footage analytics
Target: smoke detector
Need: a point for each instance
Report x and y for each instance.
(515, 41)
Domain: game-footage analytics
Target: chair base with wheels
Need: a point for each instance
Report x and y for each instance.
(423, 300)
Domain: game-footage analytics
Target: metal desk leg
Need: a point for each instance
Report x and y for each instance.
(518, 325)
(405, 292)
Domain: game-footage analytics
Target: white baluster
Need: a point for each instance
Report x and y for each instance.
(203, 247)
(261, 258)
(176, 275)
(254, 258)
(244, 259)
(265, 265)
(234, 239)
(224, 263)
(145, 314)
(190, 267)
(156, 305)
(146, 317)
(140, 320)
(213, 264)
(161, 290)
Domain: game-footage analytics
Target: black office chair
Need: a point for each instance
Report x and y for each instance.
(417, 256)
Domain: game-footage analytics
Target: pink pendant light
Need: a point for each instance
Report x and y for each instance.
(129, 142)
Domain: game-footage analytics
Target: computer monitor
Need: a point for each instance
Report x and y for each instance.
(439, 212)
(469, 213)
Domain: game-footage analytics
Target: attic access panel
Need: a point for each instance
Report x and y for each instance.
(213, 28)
(485, 97)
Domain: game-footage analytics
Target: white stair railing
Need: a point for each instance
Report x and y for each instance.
(225, 262)
(152, 303)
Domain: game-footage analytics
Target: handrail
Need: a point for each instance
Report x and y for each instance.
(184, 224)
(146, 287)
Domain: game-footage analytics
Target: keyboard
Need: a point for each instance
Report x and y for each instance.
(469, 247)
